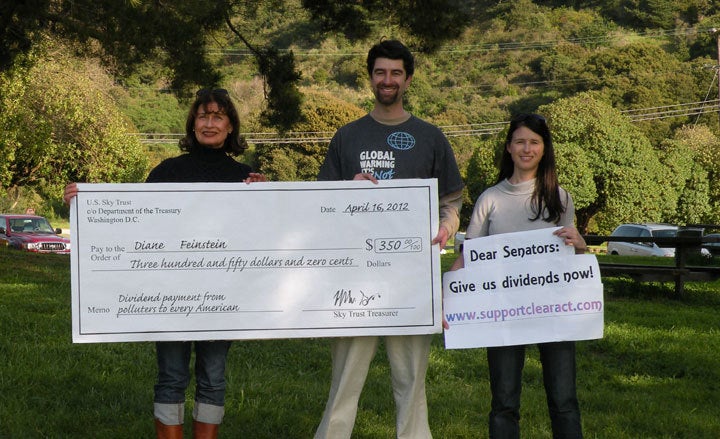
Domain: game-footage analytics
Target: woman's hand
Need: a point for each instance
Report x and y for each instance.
(70, 191)
(571, 236)
(255, 177)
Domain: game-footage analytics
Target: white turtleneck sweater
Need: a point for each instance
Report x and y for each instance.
(506, 208)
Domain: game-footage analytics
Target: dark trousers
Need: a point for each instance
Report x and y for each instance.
(174, 371)
(558, 362)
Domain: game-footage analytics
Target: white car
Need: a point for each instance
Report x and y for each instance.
(713, 247)
(642, 248)
(646, 230)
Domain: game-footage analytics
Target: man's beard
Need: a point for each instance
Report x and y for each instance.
(387, 99)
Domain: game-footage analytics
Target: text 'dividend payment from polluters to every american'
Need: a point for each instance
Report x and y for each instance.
(217, 261)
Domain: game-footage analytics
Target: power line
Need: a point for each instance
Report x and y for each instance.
(484, 47)
(463, 130)
(668, 111)
(483, 129)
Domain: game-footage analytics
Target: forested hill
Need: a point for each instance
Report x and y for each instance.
(630, 89)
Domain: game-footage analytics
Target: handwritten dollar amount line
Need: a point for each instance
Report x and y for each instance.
(394, 245)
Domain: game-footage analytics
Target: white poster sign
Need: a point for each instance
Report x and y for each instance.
(204, 261)
(522, 288)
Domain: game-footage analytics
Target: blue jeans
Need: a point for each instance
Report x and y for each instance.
(174, 371)
(558, 362)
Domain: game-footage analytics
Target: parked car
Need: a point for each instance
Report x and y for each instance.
(647, 230)
(459, 239)
(712, 247)
(32, 233)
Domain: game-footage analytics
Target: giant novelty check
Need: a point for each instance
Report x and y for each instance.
(206, 261)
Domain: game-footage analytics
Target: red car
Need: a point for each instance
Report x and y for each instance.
(32, 233)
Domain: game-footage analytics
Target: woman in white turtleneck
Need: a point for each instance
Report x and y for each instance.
(527, 197)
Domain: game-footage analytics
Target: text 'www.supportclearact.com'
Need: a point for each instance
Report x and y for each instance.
(531, 310)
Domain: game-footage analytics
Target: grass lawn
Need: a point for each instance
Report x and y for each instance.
(655, 374)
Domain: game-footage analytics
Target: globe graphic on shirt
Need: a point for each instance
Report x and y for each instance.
(401, 140)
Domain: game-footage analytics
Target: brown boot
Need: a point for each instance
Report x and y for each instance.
(168, 431)
(202, 430)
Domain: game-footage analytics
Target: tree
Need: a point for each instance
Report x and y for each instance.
(482, 172)
(663, 14)
(699, 145)
(59, 126)
(575, 173)
(124, 34)
(688, 179)
(631, 76)
(430, 21)
(176, 33)
(626, 172)
(301, 160)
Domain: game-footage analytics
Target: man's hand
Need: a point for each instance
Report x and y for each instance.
(442, 237)
(365, 176)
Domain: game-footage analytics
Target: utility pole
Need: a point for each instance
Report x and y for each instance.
(715, 32)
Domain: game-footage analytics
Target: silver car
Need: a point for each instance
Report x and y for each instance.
(647, 230)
